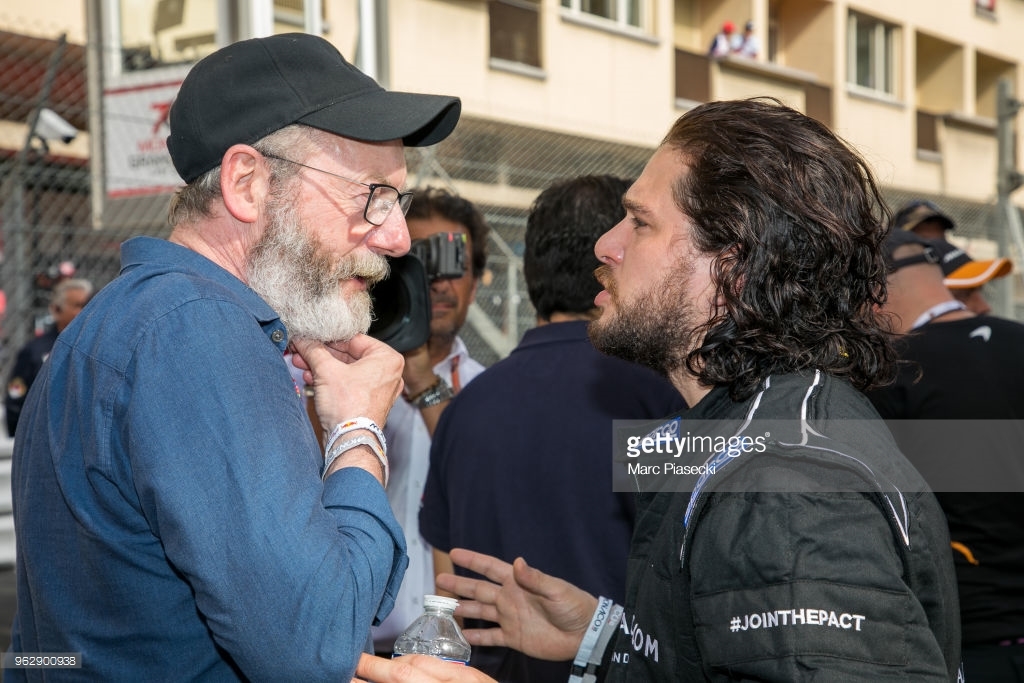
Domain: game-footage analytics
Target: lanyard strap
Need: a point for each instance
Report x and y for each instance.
(455, 374)
(938, 309)
(595, 641)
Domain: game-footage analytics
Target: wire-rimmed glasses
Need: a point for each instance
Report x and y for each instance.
(381, 200)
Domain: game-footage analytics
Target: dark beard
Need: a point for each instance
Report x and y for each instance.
(640, 336)
(656, 330)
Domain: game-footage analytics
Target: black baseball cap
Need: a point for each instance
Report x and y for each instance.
(900, 238)
(963, 272)
(918, 211)
(249, 89)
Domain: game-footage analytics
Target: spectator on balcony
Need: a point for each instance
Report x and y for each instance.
(721, 44)
(746, 44)
(67, 300)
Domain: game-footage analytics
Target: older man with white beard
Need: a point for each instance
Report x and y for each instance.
(175, 517)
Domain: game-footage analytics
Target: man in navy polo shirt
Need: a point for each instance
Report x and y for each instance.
(516, 462)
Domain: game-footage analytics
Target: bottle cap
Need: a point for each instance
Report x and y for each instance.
(440, 602)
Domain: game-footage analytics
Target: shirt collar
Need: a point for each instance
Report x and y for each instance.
(168, 256)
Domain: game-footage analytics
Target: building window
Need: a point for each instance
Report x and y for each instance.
(156, 33)
(515, 31)
(631, 13)
(870, 54)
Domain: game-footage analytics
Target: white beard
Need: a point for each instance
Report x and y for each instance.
(301, 281)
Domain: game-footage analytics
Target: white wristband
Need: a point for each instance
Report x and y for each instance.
(355, 442)
(352, 425)
(593, 632)
(610, 625)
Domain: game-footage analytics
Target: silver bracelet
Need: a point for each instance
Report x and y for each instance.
(355, 442)
(437, 393)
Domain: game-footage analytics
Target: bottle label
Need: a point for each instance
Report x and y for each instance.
(395, 655)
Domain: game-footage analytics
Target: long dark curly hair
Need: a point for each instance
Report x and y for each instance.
(798, 223)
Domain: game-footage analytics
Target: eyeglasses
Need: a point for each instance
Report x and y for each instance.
(379, 203)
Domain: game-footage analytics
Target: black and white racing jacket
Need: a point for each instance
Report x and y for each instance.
(820, 558)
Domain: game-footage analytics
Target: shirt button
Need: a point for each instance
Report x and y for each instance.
(277, 336)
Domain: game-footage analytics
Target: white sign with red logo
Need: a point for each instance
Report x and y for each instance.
(135, 140)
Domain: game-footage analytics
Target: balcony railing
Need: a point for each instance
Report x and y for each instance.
(699, 78)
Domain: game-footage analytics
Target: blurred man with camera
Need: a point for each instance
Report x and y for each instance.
(449, 236)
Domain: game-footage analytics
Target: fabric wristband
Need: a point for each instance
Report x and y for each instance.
(590, 638)
(355, 442)
(352, 425)
(594, 662)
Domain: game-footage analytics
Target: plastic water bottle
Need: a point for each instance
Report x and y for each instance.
(435, 632)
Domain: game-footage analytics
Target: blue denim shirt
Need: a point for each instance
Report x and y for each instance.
(170, 517)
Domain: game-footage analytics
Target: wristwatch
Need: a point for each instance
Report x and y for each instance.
(438, 392)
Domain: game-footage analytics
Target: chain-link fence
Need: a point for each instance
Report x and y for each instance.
(49, 230)
(48, 205)
(502, 168)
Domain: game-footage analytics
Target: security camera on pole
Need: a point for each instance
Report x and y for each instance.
(51, 126)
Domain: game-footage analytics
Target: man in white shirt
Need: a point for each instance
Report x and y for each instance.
(746, 44)
(433, 374)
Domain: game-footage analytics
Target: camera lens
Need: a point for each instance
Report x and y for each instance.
(391, 308)
(401, 306)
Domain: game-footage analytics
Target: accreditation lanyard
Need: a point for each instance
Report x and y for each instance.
(938, 309)
(455, 374)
